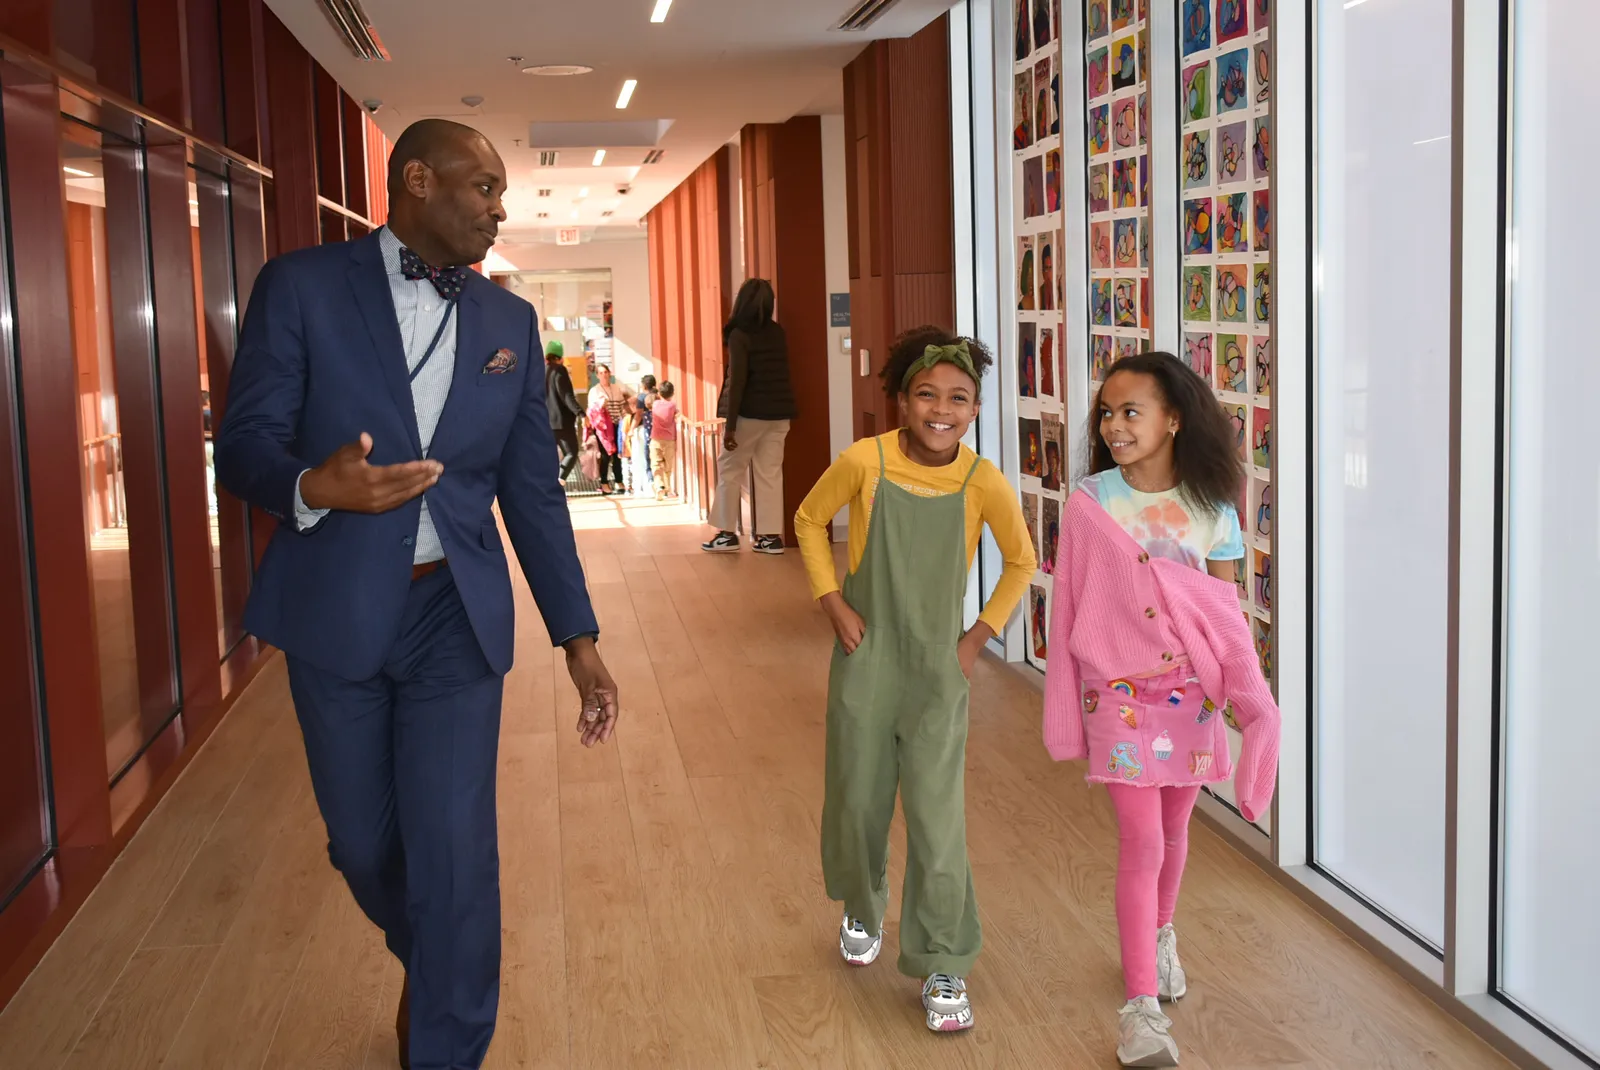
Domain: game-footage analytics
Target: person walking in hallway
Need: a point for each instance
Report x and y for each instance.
(757, 403)
(611, 401)
(897, 689)
(564, 407)
(383, 399)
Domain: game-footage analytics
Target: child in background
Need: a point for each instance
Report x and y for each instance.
(898, 687)
(1148, 646)
(634, 449)
(664, 440)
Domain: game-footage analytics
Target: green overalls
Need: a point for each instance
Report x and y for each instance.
(897, 713)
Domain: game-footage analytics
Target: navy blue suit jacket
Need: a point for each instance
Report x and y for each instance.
(320, 360)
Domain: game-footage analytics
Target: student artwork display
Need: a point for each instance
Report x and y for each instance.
(1038, 184)
(1117, 76)
(1224, 188)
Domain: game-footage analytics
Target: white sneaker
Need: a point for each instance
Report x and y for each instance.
(944, 997)
(859, 947)
(1171, 981)
(1143, 1039)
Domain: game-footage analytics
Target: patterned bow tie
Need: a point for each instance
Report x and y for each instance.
(448, 281)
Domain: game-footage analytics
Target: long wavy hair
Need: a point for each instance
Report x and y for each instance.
(1206, 448)
(752, 308)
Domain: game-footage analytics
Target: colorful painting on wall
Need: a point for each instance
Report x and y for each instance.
(1225, 281)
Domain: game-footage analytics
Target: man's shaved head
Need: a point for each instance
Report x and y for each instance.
(435, 142)
(445, 185)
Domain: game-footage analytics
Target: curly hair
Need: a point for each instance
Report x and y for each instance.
(1205, 450)
(909, 347)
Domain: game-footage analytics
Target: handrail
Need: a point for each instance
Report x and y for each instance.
(19, 53)
(335, 206)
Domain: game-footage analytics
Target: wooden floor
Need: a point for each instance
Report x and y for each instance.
(663, 901)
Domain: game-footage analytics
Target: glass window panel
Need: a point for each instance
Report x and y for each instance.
(1382, 273)
(1551, 858)
(108, 257)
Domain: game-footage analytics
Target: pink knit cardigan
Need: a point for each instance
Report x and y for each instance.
(1118, 612)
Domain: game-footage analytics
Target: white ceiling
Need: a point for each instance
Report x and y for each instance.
(712, 67)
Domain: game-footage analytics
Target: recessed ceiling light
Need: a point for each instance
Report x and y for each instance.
(660, 13)
(599, 157)
(584, 192)
(627, 92)
(75, 171)
(558, 70)
(574, 213)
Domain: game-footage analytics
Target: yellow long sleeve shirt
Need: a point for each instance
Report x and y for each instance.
(853, 480)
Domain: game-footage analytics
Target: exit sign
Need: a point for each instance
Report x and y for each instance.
(567, 236)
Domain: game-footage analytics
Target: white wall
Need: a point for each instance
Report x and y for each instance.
(629, 263)
(836, 228)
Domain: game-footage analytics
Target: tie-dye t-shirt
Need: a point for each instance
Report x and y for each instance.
(1166, 525)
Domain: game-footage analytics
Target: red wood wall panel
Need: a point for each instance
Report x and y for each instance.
(183, 431)
(353, 126)
(293, 127)
(30, 22)
(241, 106)
(29, 104)
(900, 211)
(163, 66)
(690, 246)
(784, 242)
(329, 119)
(203, 43)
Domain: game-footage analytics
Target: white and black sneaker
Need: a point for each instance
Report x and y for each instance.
(767, 544)
(859, 947)
(726, 542)
(944, 997)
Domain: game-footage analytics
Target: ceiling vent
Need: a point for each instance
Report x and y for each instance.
(606, 214)
(350, 22)
(864, 14)
(544, 215)
(548, 157)
(654, 156)
(545, 192)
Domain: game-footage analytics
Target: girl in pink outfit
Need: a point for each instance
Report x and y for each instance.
(1155, 657)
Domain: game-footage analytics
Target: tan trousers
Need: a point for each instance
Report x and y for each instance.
(663, 459)
(760, 450)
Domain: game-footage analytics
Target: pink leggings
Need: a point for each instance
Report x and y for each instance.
(1152, 845)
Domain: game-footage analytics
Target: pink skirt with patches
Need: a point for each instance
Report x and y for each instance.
(1155, 731)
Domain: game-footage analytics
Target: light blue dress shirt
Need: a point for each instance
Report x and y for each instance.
(419, 310)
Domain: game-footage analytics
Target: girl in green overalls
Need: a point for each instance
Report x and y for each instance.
(897, 694)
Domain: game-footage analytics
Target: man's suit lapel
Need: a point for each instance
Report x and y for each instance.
(470, 358)
(370, 283)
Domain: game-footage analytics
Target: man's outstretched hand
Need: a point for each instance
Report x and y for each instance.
(596, 690)
(347, 482)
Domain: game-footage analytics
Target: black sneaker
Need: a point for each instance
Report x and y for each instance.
(767, 544)
(726, 542)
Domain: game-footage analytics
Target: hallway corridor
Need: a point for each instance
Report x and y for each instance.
(663, 901)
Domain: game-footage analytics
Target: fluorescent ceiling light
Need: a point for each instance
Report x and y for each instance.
(599, 157)
(584, 192)
(574, 213)
(660, 13)
(1348, 4)
(75, 171)
(1431, 140)
(627, 92)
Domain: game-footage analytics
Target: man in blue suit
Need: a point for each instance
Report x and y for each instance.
(384, 397)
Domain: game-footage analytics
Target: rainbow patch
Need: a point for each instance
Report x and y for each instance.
(1125, 687)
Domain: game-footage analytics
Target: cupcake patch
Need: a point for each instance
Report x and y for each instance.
(1091, 701)
(1128, 716)
(1162, 747)
(1199, 762)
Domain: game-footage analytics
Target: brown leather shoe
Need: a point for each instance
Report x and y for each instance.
(402, 1024)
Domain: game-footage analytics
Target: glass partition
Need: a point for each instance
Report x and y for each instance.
(1381, 391)
(1550, 860)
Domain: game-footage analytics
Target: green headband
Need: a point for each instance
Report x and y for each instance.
(958, 354)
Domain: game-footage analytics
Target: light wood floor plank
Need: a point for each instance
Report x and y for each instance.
(662, 896)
